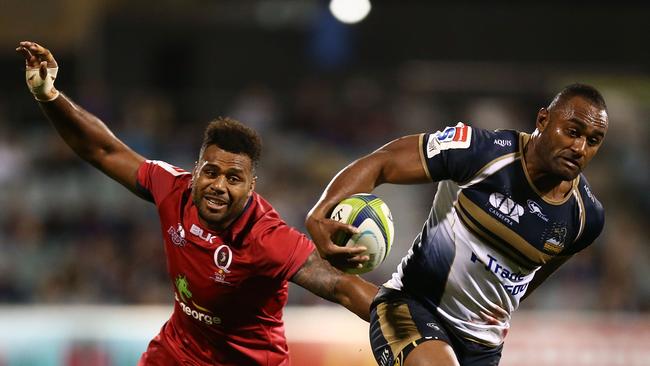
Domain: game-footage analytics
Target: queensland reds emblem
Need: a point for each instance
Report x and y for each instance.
(223, 258)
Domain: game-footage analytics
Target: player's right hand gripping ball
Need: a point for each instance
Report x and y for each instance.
(371, 215)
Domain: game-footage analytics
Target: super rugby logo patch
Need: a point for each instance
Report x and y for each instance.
(457, 137)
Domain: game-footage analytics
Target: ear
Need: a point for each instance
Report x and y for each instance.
(542, 119)
(252, 187)
(195, 171)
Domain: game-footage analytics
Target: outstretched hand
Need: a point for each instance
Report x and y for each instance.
(41, 70)
(322, 230)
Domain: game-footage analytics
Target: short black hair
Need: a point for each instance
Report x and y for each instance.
(233, 136)
(585, 91)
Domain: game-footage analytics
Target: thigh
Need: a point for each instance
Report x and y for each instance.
(402, 330)
(475, 354)
(431, 353)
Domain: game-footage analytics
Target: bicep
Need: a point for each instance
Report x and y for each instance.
(121, 164)
(401, 161)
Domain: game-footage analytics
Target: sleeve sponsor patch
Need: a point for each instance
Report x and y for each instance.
(457, 137)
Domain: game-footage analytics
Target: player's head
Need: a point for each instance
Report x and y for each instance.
(224, 176)
(570, 130)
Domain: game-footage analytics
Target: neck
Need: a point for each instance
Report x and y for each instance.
(546, 183)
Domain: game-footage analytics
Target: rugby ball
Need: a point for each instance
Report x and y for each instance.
(371, 215)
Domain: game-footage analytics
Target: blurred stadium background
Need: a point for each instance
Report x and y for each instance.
(82, 274)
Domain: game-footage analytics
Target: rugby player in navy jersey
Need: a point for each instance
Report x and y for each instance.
(510, 208)
(229, 254)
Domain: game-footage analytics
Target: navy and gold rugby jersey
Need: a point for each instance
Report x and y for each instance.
(489, 230)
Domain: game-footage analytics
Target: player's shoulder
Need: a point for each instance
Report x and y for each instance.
(473, 139)
(261, 218)
(165, 168)
(591, 203)
(157, 179)
(496, 142)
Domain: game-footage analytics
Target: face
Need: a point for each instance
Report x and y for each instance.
(222, 182)
(570, 135)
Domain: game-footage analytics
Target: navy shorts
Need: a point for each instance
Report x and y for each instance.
(399, 323)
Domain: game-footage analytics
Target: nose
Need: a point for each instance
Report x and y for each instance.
(579, 145)
(219, 184)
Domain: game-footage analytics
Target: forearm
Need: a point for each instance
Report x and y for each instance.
(356, 294)
(361, 176)
(321, 279)
(397, 162)
(86, 134)
(91, 139)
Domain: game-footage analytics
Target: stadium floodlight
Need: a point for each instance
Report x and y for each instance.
(350, 11)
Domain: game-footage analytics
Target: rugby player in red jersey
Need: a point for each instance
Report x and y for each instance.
(229, 254)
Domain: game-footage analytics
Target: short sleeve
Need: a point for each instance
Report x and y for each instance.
(284, 251)
(457, 153)
(156, 179)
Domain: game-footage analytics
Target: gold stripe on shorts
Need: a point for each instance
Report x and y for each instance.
(397, 326)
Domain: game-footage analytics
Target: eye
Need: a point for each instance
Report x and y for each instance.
(573, 132)
(593, 141)
(233, 179)
(210, 173)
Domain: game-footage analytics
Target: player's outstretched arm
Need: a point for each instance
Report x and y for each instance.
(351, 291)
(396, 162)
(86, 134)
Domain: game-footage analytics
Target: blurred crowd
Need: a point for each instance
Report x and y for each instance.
(68, 234)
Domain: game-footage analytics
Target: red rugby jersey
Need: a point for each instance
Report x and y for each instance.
(229, 287)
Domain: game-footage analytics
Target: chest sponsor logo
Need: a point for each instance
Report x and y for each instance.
(536, 209)
(183, 296)
(505, 208)
(502, 142)
(554, 238)
(177, 235)
(458, 137)
(517, 288)
(195, 230)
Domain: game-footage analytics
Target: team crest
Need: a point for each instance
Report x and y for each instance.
(223, 257)
(554, 238)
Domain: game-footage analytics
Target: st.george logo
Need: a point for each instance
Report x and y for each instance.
(183, 296)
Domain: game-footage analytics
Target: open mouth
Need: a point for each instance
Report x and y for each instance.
(215, 203)
(573, 164)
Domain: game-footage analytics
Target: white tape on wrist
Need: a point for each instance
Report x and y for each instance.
(43, 89)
